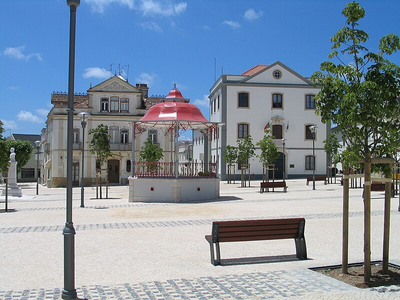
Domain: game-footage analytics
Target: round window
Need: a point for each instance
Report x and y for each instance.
(277, 74)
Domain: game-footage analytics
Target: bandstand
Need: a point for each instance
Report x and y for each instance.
(174, 181)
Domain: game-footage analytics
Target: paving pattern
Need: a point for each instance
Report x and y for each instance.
(293, 282)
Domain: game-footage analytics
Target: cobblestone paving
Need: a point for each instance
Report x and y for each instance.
(276, 284)
(130, 225)
(304, 284)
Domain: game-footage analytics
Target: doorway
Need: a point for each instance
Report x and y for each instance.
(113, 171)
(279, 165)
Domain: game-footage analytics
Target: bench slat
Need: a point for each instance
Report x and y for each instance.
(257, 238)
(258, 222)
(258, 228)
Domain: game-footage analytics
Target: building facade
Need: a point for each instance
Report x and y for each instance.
(271, 97)
(114, 103)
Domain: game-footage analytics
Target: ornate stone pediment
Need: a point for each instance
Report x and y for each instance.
(277, 120)
(114, 86)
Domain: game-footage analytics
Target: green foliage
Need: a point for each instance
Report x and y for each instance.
(100, 143)
(269, 152)
(150, 152)
(23, 152)
(230, 155)
(349, 159)
(246, 150)
(361, 97)
(331, 146)
(3, 150)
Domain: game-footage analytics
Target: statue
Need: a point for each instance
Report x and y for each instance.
(13, 188)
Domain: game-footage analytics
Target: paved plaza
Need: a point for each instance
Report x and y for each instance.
(158, 251)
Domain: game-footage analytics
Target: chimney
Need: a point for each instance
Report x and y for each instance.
(144, 88)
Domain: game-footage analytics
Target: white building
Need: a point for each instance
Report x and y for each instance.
(266, 96)
(115, 103)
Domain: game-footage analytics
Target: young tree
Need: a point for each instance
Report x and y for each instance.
(332, 146)
(151, 154)
(269, 152)
(100, 146)
(100, 143)
(230, 157)
(361, 98)
(246, 150)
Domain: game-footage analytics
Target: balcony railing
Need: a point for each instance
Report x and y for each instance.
(120, 147)
(167, 170)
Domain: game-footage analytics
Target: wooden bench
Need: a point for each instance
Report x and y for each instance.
(272, 184)
(317, 178)
(256, 230)
(377, 186)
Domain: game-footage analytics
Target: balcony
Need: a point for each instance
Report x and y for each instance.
(120, 147)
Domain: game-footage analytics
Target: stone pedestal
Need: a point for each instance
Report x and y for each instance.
(13, 189)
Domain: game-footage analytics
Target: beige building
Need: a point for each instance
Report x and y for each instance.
(115, 103)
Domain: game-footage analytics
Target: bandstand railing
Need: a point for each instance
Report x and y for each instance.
(167, 170)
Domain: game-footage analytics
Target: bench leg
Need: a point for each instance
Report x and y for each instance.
(212, 253)
(301, 250)
(218, 261)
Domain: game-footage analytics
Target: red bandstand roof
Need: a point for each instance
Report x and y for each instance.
(175, 110)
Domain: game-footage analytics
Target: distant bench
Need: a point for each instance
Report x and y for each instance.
(377, 186)
(317, 178)
(256, 230)
(272, 184)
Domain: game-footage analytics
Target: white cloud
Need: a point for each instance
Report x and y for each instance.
(202, 102)
(17, 53)
(28, 117)
(232, 24)
(9, 125)
(146, 78)
(96, 72)
(162, 8)
(151, 26)
(14, 88)
(147, 7)
(42, 112)
(251, 14)
(98, 6)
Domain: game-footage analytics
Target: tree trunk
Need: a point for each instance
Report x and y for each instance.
(367, 219)
(345, 244)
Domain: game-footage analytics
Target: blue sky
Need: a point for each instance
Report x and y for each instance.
(160, 42)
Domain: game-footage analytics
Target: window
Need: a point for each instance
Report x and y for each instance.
(277, 101)
(310, 165)
(128, 166)
(114, 134)
(310, 102)
(215, 105)
(243, 130)
(218, 102)
(153, 136)
(104, 105)
(277, 131)
(309, 134)
(114, 104)
(76, 135)
(125, 105)
(277, 74)
(243, 100)
(124, 136)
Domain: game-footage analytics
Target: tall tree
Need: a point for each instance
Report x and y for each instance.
(361, 98)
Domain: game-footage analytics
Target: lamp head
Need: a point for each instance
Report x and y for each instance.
(75, 3)
(37, 143)
(84, 116)
(313, 128)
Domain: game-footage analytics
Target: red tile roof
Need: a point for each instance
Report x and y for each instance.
(254, 70)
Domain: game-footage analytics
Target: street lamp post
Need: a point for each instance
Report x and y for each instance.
(84, 116)
(69, 291)
(37, 143)
(283, 146)
(313, 130)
